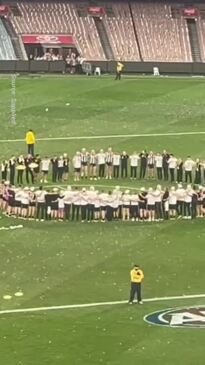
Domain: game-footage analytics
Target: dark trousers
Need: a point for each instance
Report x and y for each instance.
(134, 210)
(83, 212)
(135, 291)
(67, 211)
(187, 209)
(158, 210)
(142, 171)
(40, 214)
(109, 213)
(165, 172)
(102, 170)
(20, 177)
(31, 149)
(188, 176)
(4, 175)
(124, 171)
(90, 210)
(180, 207)
(29, 172)
(159, 173)
(116, 171)
(12, 176)
(179, 175)
(118, 75)
(133, 172)
(60, 173)
(197, 179)
(193, 209)
(171, 171)
(75, 212)
(54, 175)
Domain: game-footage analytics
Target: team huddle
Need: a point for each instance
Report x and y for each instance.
(92, 205)
(103, 164)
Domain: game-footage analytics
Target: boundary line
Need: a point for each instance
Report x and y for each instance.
(63, 187)
(110, 136)
(100, 304)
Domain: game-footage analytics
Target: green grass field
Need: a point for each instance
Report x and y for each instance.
(71, 263)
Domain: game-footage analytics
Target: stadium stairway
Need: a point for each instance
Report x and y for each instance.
(194, 40)
(6, 47)
(104, 39)
(135, 32)
(15, 39)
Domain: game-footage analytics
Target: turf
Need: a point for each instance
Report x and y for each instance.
(61, 263)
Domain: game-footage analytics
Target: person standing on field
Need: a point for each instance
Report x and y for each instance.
(136, 276)
(124, 158)
(159, 163)
(188, 168)
(134, 158)
(30, 141)
(119, 69)
(172, 163)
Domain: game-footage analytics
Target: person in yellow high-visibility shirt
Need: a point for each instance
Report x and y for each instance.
(136, 276)
(30, 141)
(119, 69)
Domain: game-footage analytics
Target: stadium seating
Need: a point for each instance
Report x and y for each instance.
(6, 47)
(50, 18)
(121, 31)
(161, 38)
(137, 29)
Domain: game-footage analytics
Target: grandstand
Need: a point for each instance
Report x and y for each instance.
(136, 31)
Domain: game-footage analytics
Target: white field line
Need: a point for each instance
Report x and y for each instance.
(110, 136)
(63, 187)
(100, 304)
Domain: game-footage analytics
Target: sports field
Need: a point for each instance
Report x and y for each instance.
(62, 264)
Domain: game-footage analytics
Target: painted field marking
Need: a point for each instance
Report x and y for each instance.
(100, 304)
(109, 136)
(63, 187)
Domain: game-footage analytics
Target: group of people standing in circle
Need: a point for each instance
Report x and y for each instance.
(94, 205)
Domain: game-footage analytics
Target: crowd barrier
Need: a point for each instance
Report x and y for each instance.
(195, 68)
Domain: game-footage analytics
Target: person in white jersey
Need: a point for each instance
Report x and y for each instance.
(134, 207)
(158, 193)
(84, 163)
(180, 193)
(116, 165)
(25, 202)
(134, 159)
(172, 203)
(150, 165)
(45, 163)
(93, 165)
(109, 163)
(187, 202)
(101, 164)
(172, 163)
(77, 166)
(151, 205)
(188, 168)
(159, 165)
(126, 198)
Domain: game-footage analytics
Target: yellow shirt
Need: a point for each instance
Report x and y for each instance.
(136, 275)
(30, 138)
(119, 66)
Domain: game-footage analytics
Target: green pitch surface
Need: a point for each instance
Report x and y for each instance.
(58, 264)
